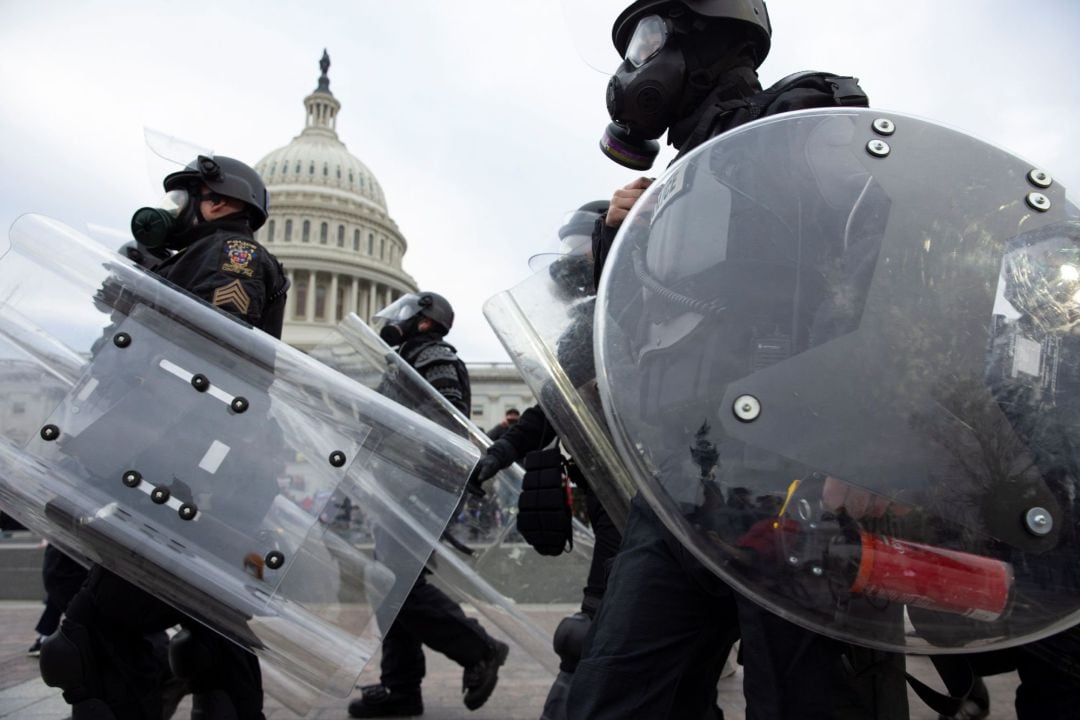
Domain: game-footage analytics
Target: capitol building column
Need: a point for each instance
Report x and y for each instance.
(309, 297)
(332, 304)
(290, 299)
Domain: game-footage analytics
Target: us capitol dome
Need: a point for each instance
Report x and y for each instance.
(329, 226)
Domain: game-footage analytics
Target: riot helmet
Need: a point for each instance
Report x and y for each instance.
(577, 227)
(400, 319)
(674, 53)
(572, 268)
(172, 225)
(228, 177)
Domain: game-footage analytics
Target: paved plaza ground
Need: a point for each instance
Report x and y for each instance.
(522, 686)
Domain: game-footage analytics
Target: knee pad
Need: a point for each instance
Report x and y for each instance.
(65, 663)
(569, 640)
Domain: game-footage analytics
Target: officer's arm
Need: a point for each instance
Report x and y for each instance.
(531, 432)
(443, 377)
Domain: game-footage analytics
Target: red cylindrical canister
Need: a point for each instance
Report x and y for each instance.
(933, 578)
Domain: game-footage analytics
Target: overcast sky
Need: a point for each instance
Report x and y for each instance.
(479, 118)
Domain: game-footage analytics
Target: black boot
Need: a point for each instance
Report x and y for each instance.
(480, 679)
(378, 701)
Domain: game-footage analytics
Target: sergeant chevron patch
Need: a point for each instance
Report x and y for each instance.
(232, 293)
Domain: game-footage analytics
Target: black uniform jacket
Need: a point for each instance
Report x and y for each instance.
(227, 268)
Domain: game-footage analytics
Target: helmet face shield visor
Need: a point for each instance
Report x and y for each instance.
(175, 201)
(402, 309)
(649, 38)
(848, 381)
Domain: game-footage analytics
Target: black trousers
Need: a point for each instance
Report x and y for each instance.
(62, 578)
(118, 629)
(1049, 672)
(658, 645)
(608, 539)
(429, 617)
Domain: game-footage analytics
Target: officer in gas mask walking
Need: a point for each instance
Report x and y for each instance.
(206, 228)
(543, 517)
(204, 236)
(416, 324)
(659, 641)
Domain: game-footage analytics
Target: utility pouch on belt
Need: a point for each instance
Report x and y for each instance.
(544, 504)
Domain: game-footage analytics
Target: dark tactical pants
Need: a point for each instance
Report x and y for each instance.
(605, 549)
(659, 643)
(429, 617)
(119, 629)
(1049, 672)
(62, 578)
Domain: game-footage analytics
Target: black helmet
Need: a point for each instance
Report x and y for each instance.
(581, 221)
(751, 16)
(228, 177)
(427, 304)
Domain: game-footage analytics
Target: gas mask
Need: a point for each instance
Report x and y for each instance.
(394, 334)
(644, 94)
(160, 228)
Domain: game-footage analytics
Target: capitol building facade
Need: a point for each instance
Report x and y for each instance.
(330, 227)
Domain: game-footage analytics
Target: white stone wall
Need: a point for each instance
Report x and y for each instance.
(496, 387)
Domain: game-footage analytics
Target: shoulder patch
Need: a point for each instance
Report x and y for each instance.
(234, 294)
(239, 255)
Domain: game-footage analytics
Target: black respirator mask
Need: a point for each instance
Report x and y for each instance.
(161, 228)
(393, 334)
(644, 94)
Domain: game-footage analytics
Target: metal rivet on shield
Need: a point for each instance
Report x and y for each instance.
(132, 478)
(187, 511)
(121, 340)
(337, 458)
(884, 126)
(160, 495)
(1039, 521)
(200, 382)
(239, 404)
(1040, 178)
(1038, 201)
(50, 432)
(878, 148)
(274, 559)
(747, 408)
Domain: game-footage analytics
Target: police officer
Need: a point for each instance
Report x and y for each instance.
(539, 509)
(657, 645)
(416, 324)
(101, 656)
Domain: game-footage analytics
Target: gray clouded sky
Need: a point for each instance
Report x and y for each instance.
(478, 117)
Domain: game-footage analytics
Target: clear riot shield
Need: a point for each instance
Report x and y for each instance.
(478, 559)
(838, 350)
(546, 326)
(194, 456)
